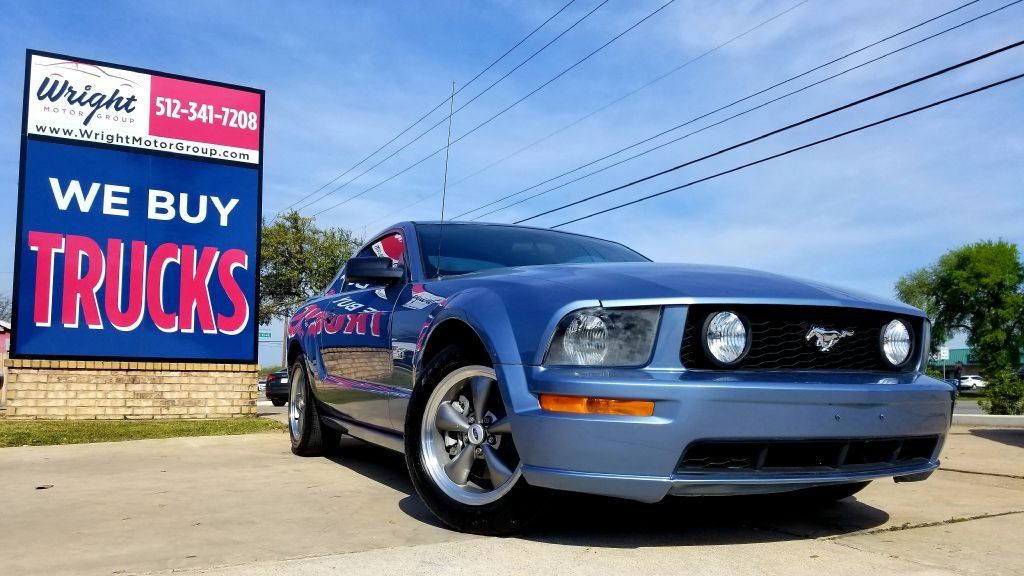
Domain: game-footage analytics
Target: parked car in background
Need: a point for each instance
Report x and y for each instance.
(277, 387)
(261, 385)
(971, 382)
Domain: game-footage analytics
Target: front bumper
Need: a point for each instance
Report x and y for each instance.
(637, 457)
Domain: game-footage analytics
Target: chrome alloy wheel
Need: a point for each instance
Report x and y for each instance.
(297, 403)
(466, 440)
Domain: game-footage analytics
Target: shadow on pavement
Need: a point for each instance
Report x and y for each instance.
(584, 520)
(386, 467)
(376, 463)
(1010, 436)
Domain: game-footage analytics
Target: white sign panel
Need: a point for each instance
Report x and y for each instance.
(117, 106)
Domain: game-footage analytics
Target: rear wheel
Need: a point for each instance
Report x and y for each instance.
(308, 434)
(278, 401)
(460, 450)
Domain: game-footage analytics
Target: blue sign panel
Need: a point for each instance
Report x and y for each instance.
(128, 253)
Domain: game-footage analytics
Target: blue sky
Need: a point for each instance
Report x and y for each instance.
(343, 78)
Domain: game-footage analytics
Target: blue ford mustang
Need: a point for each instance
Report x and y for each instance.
(506, 361)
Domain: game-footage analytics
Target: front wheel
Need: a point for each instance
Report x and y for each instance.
(460, 450)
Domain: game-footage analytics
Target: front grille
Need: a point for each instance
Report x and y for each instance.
(805, 456)
(778, 338)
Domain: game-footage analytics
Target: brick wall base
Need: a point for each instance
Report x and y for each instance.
(366, 364)
(100, 390)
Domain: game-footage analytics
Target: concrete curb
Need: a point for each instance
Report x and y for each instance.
(988, 420)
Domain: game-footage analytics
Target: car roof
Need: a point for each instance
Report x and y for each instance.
(501, 224)
(415, 223)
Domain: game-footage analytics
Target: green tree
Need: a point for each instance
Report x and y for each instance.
(297, 261)
(6, 306)
(264, 370)
(1004, 394)
(978, 289)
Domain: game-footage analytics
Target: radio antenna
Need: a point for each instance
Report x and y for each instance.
(444, 185)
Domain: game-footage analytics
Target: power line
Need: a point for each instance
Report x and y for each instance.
(729, 105)
(635, 91)
(608, 105)
(798, 148)
(481, 93)
(520, 65)
(432, 110)
(504, 110)
(709, 126)
(783, 129)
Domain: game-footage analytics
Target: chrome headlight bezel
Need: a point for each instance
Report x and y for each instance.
(925, 345)
(887, 341)
(706, 344)
(628, 336)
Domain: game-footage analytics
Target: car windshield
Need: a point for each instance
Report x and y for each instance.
(469, 248)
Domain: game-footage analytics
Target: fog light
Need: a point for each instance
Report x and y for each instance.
(586, 405)
(896, 343)
(725, 338)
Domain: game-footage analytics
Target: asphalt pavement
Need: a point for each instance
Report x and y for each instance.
(244, 505)
(967, 405)
(266, 409)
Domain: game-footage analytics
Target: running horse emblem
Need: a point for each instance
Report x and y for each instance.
(826, 339)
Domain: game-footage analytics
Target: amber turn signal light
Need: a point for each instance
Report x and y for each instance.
(586, 405)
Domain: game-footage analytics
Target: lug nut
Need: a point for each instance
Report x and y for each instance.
(479, 452)
(491, 439)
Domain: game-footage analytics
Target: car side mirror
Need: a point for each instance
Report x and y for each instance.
(373, 270)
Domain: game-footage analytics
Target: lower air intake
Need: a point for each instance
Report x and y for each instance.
(805, 456)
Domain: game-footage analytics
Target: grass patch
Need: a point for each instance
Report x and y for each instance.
(49, 432)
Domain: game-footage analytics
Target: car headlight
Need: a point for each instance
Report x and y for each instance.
(726, 338)
(604, 337)
(896, 342)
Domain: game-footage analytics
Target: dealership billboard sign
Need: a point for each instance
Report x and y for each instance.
(138, 215)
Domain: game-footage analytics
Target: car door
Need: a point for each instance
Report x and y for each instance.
(355, 342)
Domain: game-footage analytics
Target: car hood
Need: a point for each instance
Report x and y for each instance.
(691, 283)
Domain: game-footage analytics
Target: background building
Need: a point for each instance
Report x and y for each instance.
(964, 356)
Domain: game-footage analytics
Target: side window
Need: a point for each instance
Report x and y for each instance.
(337, 284)
(391, 245)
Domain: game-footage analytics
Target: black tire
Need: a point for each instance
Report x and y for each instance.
(313, 438)
(510, 513)
(826, 494)
(278, 402)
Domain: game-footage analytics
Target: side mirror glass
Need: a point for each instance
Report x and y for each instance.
(373, 271)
